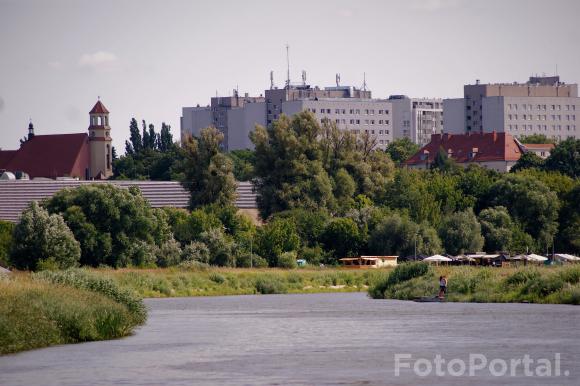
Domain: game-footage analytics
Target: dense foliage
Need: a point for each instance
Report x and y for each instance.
(114, 226)
(6, 229)
(208, 171)
(43, 240)
(149, 155)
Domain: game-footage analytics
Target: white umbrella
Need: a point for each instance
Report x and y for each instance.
(437, 258)
(567, 257)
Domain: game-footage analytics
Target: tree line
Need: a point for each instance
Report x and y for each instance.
(324, 194)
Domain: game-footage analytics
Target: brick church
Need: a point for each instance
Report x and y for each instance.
(84, 156)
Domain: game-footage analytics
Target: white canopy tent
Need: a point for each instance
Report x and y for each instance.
(437, 259)
(536, 258)
(567, 257)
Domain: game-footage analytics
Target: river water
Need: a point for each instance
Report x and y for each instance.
(320, 339)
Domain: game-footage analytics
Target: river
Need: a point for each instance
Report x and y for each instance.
(319, 339)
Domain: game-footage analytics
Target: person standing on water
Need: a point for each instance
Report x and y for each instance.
(442, 286)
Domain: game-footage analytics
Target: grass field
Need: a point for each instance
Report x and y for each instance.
(170, 282)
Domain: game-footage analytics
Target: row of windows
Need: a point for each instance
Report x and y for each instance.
(365, 122)
(541, 107)
(542, 127)
(351, 111)
(381, 132)
(530, 117)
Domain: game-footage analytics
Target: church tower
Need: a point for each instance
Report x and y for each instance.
(100, 143)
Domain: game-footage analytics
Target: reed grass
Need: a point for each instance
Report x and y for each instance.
(37, 312)
(555, 285)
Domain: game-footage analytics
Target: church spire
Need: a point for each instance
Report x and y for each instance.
(30, 130)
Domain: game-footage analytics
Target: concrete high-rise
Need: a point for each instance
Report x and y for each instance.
(416, 118)
(543, 105)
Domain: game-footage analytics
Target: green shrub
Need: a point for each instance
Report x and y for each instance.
(217, 278)
(6, 229)
(522, 276)
(40, 236)
(401, 273)
(39, 314)
(169, 253)
(267, 285)
(78, 278)
(194, 265)
(287, 260)
(247, 260)
(196, 251)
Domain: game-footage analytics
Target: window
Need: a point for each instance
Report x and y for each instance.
(372, 121)
(387, 122)
(380, 132)
(366, 121)
(337, 111)
(106, 134)
(337, 120)
(553, 107)
(372, 112)
(352, 121)
(559, 107)
(352, 111)
(380, 112)
(367, 111)
(358, 121)
(357, 111)
(372, 131)
(525, 107)
(328, 111)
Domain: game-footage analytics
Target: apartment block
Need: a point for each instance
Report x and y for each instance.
(349, 107)
(416, 118)
(543, 105)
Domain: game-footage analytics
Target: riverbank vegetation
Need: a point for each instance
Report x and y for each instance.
(554, 285)
(174, 282)
(50, 308)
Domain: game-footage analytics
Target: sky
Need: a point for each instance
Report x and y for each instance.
(149, 58)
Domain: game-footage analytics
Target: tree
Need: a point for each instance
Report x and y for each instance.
(536, 138)
(165, 138)
(208, 173)
(309, 224)
(301, 164)
(342, 237)
(42, 239)
(136, 144)
(461, 232)
(6, 229)
(569, 235)
(565, 158)
(401, 150)
(528, 160)
(276, 237)
(221, 247)
(114, 226)
(530, 202)
(497, 228)
(398, 235)
(442, 161)
(243, 164)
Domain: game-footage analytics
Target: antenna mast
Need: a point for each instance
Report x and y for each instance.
(337, 80)
(364, 86)
(304, 77)
(288, 65)
(271, 80)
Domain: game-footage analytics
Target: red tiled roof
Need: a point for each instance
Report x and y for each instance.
(99, 108)
(539, 146)
(5, 157)
(52, 156)
(477, 147)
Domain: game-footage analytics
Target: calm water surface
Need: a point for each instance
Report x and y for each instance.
(322, 339)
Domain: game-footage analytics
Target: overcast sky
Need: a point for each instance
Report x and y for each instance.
(148, 59)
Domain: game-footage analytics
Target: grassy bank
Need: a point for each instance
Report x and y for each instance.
(38, 310)
(556, 285)
(171, 282)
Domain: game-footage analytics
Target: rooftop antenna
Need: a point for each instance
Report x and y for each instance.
(364, 86)
(271, 80)
(556, 68)
(304, 77)
(337, 80)
(288, 65)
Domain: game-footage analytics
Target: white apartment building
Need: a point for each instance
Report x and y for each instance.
(543, 105)
(416, 118)
(372, 116)
(350, 108)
